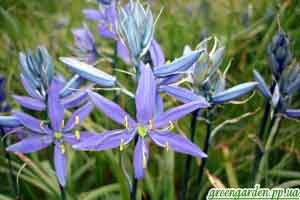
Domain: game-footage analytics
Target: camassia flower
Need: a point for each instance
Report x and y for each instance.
(40, 135)
(285, 88)
(37, 73)
(146, 127)
(208, 81)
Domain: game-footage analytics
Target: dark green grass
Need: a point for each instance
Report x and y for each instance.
(28, 23)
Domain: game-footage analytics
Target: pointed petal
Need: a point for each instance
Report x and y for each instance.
(106, 140)
(60, 164)
(179, 65)
(182, 94)
(157, 54)
(31, 144)
(234, 92)
(105, 31)
(123, 52)
(172, 79)
(75, 99)
(176, 143)
(73, 139)
(29, 89)
(159, 108)
(30, 103)
(9, 121)
(80, 114)
(93, 14)
(178, 112)
(111, 109)
(293, 113)
(140, 159)
(145, 95)
(30, 122)
(55, 108)
(74, 82)
(262, 86)
(89, 72)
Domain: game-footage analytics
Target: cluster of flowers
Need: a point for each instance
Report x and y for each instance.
(132, 29)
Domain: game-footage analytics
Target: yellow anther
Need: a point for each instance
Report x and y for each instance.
(63, 124)
(126, 122)
(42, 125)
(167, 146)
(57, 135)
(122, 144)
(168, 62)
(144, 161)
(151, 124)
(77, 134)
(77, 120)
(171, 125)
(62, 148)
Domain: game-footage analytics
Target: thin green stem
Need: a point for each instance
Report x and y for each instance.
(206, 146)
(187, 169)
(62, 192)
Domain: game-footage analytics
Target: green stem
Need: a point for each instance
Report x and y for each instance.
(62, 192)
(188, 161)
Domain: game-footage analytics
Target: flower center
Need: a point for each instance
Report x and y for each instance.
(142, 131)
(57, 135)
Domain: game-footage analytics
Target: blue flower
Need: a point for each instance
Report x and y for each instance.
(40, 135)
(146, 127)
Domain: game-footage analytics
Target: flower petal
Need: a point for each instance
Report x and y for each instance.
(89, 72)
(234, 92)
(31, 144)
(30, 122)
(157, 54)
(262, 86)
(293, 113)
(178, 65)
(9, 121)
(159, 105)
(29, 89)
(123, 52)
(93, 14)
(145, 95)
(106, 140)
(140, 159)
(55, 108)
(111, 109)
(75, 99)
(105, 31)
(176, 143)
(60, 164)
(73, 139)
(178, 112)
(80, 114)
(30, 103)
(181, 94)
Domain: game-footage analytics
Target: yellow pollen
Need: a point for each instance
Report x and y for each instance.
(126, 122)
(122, 144)
(63, 124)
(77, 120)
(151, 124)
(77, 134)
(62, 148)
(144, 161)
(57, 135)
(171, 125)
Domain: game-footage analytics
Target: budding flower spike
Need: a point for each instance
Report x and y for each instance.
(40, 135)
(36, 76)
(145, 127)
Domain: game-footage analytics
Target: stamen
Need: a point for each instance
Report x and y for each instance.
(167, 146)
(63, 124)
(62, 148)
(57, 135)
(171, 125)
(122, 144)
(144, 161)
(42, 125)
(77, 134)
(77, 120)
(151, 124)
(126, 122)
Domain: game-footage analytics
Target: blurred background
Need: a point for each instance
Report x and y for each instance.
(244, 27)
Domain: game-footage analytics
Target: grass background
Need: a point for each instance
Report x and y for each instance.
(245, 27)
